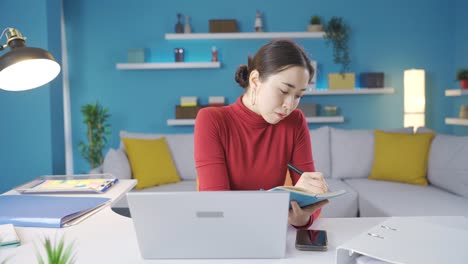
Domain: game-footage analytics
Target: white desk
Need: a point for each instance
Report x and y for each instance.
(107, 237)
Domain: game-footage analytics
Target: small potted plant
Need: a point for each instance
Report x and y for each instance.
(337, 34)
(315, 24)
(98, 130)
(462, 76)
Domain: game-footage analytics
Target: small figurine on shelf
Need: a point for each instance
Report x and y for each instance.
(258, 22)
(179, 54)
(214, 54)
(187, 27)
(179, 27)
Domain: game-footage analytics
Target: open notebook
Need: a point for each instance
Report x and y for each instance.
(304, 198)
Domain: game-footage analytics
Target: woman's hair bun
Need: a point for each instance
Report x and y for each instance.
(242, 76)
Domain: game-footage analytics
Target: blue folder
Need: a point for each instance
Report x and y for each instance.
(45, 211)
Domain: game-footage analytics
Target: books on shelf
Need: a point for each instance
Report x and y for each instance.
(216, 101)
(304, 198)
(47, 211)
(8, 236)
(83, 183)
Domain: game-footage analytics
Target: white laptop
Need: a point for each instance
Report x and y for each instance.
(218, 224)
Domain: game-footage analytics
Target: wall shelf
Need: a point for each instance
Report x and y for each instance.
(387, 90)
(316, 119)
(244, 35)
(456, 92)
(325, 119)
(181, 122)
(168, 65)
(456, 121)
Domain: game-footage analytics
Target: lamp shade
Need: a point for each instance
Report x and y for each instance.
(414, 98)
(24, 68)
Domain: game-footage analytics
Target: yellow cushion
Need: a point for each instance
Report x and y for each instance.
(401, 157)
(151, 162)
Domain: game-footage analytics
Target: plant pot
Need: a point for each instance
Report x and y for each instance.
(464, 84)
(338, 81)
(315, 28)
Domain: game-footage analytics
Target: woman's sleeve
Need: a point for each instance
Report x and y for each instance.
(209, 154)
(302, 158)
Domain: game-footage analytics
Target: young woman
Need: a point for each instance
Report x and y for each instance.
(248, 144)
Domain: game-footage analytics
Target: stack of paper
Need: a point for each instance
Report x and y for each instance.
(8, 236)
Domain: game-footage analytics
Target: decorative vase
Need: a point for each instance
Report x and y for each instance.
(187, 27)
(464, 84)
(314, 28)
(179, 27)
(214, 54)
(258, 22)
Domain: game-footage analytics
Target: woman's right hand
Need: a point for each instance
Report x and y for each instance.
(312, 182)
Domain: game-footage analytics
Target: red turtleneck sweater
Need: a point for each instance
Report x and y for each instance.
(236, 149)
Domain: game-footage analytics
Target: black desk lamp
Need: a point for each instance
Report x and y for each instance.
(24, 68)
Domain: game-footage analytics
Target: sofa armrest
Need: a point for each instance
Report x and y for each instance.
(96, 170)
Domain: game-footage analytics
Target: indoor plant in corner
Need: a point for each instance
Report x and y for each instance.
(315, 24)
(98, 131)
(462, 76)
(337, 34)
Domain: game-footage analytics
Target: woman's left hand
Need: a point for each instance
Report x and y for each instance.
(301, 216)
(312, 182)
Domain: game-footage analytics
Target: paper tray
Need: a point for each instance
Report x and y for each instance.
(80, 183)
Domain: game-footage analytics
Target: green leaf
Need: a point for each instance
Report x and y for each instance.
(58, 253)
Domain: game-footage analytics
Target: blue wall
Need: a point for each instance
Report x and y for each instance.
(26, 136)
(388, 36)
(461, 61)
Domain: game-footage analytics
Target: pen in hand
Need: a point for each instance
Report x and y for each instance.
(295, 169)
(300, 172)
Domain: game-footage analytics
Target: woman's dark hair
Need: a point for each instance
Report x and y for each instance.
(271, 58)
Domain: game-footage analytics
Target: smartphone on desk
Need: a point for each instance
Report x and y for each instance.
(314, 240)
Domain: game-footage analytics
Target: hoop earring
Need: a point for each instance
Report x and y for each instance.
(253, 98)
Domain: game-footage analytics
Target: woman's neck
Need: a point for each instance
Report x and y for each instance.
(247, 101)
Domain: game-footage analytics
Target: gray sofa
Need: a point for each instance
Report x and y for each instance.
(345, 157)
